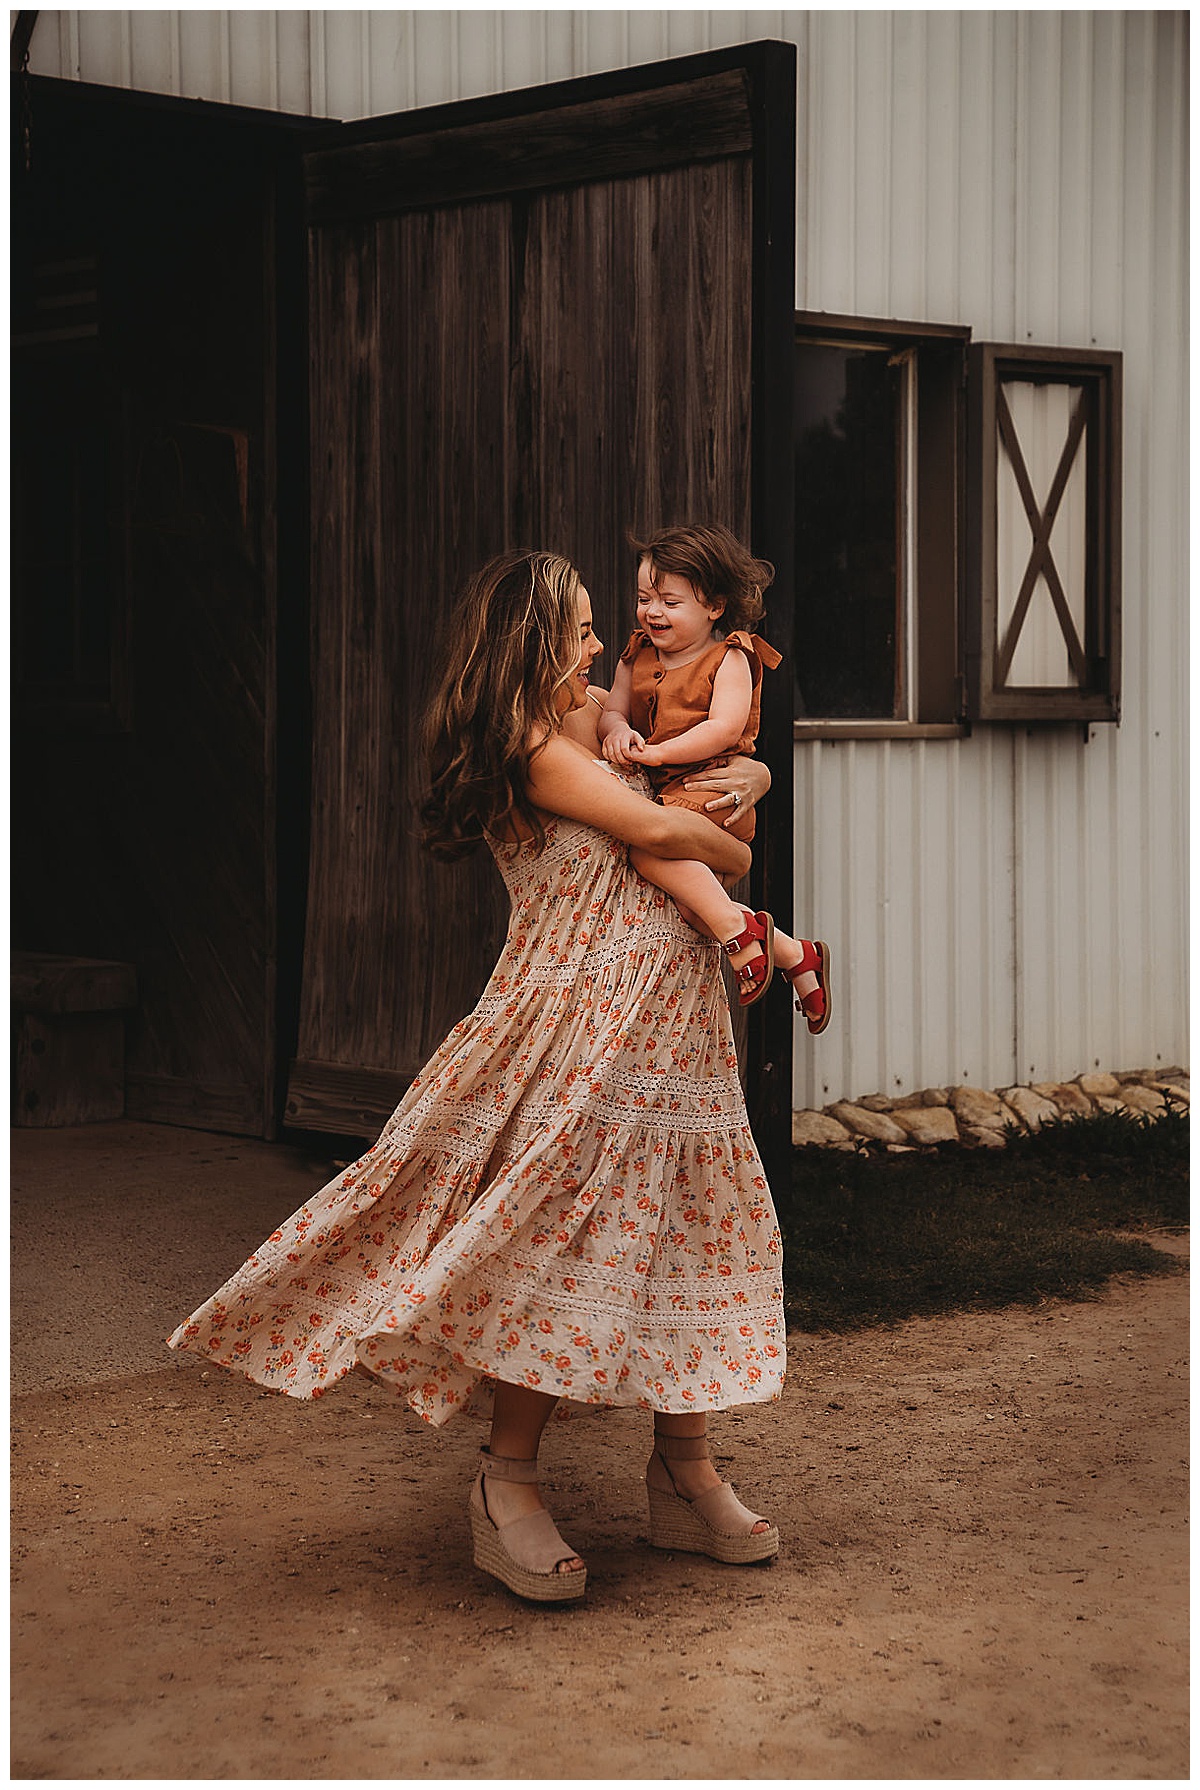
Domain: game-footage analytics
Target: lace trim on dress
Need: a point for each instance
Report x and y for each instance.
(686, 1302)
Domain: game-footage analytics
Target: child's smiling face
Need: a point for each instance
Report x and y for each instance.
(672, 612)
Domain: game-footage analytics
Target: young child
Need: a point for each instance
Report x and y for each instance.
(685, 695)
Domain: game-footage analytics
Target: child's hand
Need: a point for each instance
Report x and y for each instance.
(621, 743)
(643, 754)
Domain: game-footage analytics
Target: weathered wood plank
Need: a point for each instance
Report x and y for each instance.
(69, 1068)
(338, 1097)
(43, 982)
(595, 140)
(203, 1105)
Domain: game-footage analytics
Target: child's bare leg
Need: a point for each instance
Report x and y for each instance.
(697, 892)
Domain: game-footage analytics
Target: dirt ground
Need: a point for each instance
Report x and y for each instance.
(984, 1538)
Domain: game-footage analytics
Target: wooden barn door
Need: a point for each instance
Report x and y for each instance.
(540, 319)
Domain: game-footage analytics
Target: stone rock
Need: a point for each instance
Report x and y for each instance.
(1144, 1100)
(928, 1097)
(1175, 1090)
(1099, 1084)
(1107, 1104)
(1032, 1109)
(1066, 1096)
(817, 1128)
(901, 1149)
(1139, 1075)
(868, 1124)
(976, 1106)
(1174, 1072)
(927, 1124)
(876, 1103)
(982, 1137)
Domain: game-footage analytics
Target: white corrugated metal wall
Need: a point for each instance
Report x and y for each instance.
(1010, 907)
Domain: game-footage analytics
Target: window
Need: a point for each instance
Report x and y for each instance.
(878, 454)
(1043, 616)
(958, 531)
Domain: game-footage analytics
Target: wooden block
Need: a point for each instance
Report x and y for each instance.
(69, 1068)
(338, 1097)
(43, 982)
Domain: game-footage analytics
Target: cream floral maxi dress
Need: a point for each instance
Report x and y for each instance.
(568, 1197)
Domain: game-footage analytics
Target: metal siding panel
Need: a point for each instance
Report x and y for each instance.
(905, 296)
(524, 49)
(1164, 870)
(977, 220)
(942, 167)
(1075, 176)
(154, 60)
(200, 54)
(869, 173)
(1039, 174)
(904, 861)
(477, 54)
(831, 160)
(343, 45)
(1133, 869)
(294, 78)
(253, 65)
(388, 48)
(100, 48)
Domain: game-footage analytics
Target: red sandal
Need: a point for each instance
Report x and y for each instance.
(754, 976)
(816, 1005)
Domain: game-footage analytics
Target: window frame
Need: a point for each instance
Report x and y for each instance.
(935, 537)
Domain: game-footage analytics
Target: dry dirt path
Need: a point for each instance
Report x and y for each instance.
(984, 1525)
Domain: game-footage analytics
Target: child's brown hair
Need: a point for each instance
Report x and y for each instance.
(716, 563)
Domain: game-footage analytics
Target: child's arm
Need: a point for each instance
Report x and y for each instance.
(617, 737)
(728, 713)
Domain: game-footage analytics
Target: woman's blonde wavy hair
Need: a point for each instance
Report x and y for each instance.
(512, 643)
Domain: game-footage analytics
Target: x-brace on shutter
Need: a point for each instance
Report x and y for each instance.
(1042, 627)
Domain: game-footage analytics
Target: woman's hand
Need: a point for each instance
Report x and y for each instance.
(743, 783)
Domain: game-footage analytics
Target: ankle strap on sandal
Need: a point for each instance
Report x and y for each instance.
(498, 1466)
(681, 1448)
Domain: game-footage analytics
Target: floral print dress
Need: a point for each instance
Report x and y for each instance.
(568, 1197)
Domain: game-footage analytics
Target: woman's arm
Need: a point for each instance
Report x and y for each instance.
(728, 713)
(564, 780)
(748, 779)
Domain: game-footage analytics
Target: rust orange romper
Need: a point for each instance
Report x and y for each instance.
(665, 703)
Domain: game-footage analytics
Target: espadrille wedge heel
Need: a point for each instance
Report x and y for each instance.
(716, 1523)
(524, 1554)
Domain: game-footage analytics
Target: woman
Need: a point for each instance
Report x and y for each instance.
(568, 1202)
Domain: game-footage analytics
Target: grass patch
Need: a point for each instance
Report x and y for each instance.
(871, 1238)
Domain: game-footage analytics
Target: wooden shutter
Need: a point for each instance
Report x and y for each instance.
(1044, 480)
(539, 319)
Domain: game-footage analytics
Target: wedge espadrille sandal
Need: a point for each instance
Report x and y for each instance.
(523, 1554)
(716, 1523)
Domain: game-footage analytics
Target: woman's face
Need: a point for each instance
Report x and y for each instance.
(573, 695)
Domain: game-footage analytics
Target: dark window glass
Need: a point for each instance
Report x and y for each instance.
(847, 433)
